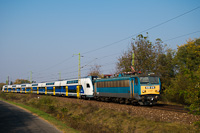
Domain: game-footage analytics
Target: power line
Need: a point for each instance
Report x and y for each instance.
(181, 36)
(155, 26)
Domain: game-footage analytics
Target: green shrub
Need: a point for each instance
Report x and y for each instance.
(51, 109)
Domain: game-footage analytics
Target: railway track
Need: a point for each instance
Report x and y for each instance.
(167, 107)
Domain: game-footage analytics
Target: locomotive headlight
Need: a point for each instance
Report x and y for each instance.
(144, 91)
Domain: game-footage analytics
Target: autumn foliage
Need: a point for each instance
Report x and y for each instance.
(185, 87)
(21, 81)
(179, 69)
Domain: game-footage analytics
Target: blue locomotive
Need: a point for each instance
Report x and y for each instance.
(141, 89)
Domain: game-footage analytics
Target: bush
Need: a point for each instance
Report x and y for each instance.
(46, 100)
(3, 95)
(51, 109)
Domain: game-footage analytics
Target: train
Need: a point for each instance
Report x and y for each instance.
(128, 89)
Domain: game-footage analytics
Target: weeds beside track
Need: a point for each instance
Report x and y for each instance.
(88, 116)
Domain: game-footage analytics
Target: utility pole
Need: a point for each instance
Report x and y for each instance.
(7, 81)
(59, 75)
(31, 77)
(79, 67)
(79, 75)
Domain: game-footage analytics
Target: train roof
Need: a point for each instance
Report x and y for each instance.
(112, 79)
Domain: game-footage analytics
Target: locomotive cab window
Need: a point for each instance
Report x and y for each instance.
(154, 80)
(149, 80)
(144, 80)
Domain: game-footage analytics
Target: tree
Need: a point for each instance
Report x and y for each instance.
(21, 81)
(1, 85)
(166, 67)
(95, 71)
(188, 56)
(185, 87)
(147, 55)
(124, 62)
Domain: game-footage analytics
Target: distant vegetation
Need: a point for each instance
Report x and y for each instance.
(179, 70)
(1, 85)
(21, 81)
(95, 71)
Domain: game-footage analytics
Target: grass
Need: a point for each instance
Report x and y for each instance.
(89, 117)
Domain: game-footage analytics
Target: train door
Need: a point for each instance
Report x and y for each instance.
(45, 91)
(131, 88)
(54, 90)
(66, 89)
(136, 86)
(78, 89)
(37, 90)
(95, 89)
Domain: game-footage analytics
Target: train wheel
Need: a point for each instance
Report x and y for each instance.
(121, 101)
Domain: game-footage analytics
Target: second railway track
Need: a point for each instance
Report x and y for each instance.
(167, 107)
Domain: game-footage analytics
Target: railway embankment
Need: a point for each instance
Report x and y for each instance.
(94, 116)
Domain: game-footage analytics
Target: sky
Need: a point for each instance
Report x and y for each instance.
(45, 36)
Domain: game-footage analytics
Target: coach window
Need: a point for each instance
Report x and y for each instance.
(88, 85)
(122, 83)
(59, 87)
